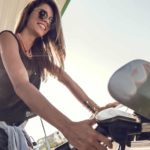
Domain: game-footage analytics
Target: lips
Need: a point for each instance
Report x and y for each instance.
(42, 26)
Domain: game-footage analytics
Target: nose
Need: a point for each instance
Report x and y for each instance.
(48, 21)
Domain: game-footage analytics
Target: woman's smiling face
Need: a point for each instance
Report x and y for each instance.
(40, 20)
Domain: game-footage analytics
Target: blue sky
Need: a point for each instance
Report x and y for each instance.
(101, 36)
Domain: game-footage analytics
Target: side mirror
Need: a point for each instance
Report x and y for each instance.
(130, 85)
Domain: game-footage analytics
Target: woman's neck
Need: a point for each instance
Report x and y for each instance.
(27, 39)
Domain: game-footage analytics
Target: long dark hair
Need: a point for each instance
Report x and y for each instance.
(49, 51)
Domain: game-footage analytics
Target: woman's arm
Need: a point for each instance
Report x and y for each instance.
(79, 93)
(24, 89)
(80, 134)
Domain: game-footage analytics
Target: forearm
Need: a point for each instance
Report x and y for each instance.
(40, 105)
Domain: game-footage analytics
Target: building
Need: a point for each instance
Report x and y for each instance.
(54, 140)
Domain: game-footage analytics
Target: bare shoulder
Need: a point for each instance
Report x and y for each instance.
(7, 40)
(6, 34)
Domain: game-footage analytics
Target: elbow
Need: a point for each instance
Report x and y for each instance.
(20, 87)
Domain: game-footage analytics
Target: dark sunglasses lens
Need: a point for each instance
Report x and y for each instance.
(42, 14)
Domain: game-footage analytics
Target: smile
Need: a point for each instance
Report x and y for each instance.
(42, 26)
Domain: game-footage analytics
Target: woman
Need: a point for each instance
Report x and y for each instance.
(34, 51)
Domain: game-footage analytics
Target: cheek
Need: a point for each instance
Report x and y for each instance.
(31, 23)
(28, 24)
(31, 20)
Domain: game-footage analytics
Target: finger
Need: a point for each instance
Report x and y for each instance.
(91, 121)
(104, 141)
(100, 146)
(101, 137)
(114, 104)
(95, 146)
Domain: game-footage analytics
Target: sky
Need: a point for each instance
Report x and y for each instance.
(101, 36)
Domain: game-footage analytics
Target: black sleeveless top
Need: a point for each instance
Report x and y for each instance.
(12, 109)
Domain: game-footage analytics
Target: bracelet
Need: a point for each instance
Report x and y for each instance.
(90, 107)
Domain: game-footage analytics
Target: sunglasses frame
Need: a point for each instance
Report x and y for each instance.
(45, 16)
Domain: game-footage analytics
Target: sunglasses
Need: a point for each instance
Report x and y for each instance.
(42, 14)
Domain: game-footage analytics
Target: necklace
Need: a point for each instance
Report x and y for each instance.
(28, 53)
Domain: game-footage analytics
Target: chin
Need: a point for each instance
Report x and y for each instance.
(40, 33)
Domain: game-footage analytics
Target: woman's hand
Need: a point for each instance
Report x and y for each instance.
(113, 104)
(98, 108)
(83, 137)
(109, 105)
